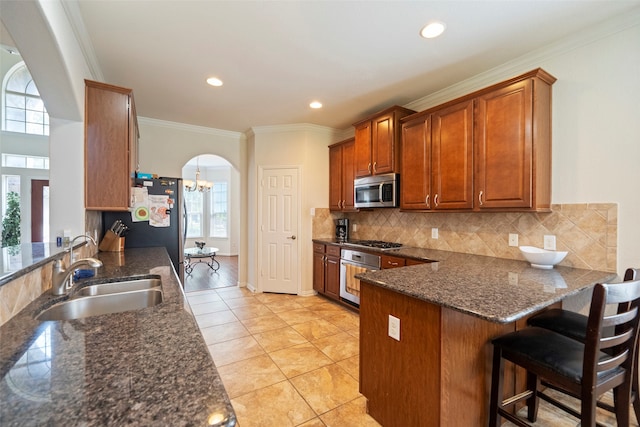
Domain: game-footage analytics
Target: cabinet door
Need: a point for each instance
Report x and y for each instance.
(415, 160)
(382, 144)
(363, 149)
(107, 149)
(452, 157)
(335, 177)
(503, 138)
(348, 174)
(332, 277)
(318, 271)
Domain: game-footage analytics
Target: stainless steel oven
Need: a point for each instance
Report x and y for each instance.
(354, 262)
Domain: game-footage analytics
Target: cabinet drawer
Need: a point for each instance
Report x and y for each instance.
(388, 261)
(318, 247)
(333, 250)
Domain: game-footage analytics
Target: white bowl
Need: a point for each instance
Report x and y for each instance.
(542, 258)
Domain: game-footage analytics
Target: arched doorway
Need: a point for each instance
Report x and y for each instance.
(212, 209)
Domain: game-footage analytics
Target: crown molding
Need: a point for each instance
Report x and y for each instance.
(191, 128)
(72, 10)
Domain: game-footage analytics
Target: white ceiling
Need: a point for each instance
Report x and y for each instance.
(356, 57)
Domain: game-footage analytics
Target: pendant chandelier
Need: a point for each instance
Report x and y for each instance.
(198, 184)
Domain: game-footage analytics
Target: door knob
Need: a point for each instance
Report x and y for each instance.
(292, 237)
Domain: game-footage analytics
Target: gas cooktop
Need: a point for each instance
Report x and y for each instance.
(378, 244)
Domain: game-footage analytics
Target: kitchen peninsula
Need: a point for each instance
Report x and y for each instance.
(438, 372)
(142, 367)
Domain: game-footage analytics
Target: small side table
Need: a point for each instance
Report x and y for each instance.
(200, 255)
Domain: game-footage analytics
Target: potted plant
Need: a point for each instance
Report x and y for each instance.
(11, 221)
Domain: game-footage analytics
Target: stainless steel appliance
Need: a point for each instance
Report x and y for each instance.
(342, 230)
(378, 191)
(354, 262)
(378, 244)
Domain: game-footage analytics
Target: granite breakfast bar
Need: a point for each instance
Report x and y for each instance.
(438, 373)
(138, 368)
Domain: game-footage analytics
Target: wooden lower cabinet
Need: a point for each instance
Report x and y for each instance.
(326, 270)
(438, 374)
(389, 261)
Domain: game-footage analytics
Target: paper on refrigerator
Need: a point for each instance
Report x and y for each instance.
(140, 198)
(159, 208)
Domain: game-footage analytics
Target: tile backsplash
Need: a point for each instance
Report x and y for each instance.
(587, 231)
(17, 294)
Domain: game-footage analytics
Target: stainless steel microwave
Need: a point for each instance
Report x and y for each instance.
(378, 191)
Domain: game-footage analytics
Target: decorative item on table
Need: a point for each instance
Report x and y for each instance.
(542, 258)
(200, 245)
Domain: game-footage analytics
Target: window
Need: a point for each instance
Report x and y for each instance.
(24, 110)
(218, 222)
(26, 162)
(10, 183)
(195, 213)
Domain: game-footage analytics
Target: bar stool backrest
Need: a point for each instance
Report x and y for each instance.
(620, 345)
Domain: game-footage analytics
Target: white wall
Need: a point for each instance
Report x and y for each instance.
(596, 131)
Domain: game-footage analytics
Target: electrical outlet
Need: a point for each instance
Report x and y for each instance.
(550, 242)
(513, 278)
(434, 233)
(354, 227)
(513, 239)
(394, 328)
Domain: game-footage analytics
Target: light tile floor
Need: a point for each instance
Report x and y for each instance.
(284, 360)
(293, 361)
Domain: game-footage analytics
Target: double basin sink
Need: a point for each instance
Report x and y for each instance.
(106, 298)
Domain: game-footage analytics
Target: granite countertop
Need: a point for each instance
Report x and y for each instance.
(138, 368)
(495, 289)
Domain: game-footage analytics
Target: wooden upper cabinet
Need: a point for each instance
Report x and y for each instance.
(452, 157)
(437, 159)
(111, 138)
(362, 160)
(513, 145)
(341, 175)
(377, 140)
(415, 170)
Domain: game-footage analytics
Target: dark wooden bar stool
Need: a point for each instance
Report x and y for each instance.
(574, 325)
(582, 370)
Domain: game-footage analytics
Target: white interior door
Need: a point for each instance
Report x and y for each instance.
(279, 231)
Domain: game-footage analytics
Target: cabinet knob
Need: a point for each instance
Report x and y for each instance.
(375, 164)
(427, 201)
(435, 200)
(480, 197)
(369, 167)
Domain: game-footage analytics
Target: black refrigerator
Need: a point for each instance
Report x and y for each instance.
(158, 220)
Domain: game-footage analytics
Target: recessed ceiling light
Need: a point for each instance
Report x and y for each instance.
(214, 81)
(433, 29)
(316, 104)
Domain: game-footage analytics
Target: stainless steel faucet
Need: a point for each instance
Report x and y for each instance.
(86, 236)
(62, 278)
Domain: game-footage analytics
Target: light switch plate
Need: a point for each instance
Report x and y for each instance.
(434, 233)
(513, 239)
(550, 242)
(394, 327)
